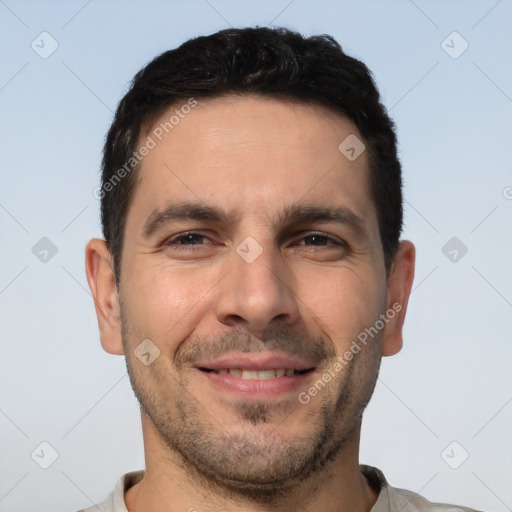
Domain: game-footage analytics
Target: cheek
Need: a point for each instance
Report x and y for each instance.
(343, 302)
(164, 300)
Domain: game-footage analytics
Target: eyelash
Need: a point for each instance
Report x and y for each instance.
(171, 242)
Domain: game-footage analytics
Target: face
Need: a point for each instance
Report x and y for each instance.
(252, 262)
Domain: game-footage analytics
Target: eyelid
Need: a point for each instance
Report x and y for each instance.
(332, 238)
(170, 240)
(301, 236)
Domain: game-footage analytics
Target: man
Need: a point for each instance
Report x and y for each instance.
(252, 274)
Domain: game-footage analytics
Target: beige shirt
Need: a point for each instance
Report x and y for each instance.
(390, 498)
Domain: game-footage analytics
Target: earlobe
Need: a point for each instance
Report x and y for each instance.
(399, 289)
(100, 276)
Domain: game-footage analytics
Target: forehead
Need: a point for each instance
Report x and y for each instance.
(254, 154)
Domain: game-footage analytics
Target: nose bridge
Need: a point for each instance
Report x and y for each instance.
(257, 289)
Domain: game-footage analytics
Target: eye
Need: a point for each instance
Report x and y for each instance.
(321, 240)
(188, 240)
(192, 240)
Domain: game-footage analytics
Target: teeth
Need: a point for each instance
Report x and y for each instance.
(250, 375)
(264, 374)
(261, 374)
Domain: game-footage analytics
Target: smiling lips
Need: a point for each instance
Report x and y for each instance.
(262, 374)
(258, 374)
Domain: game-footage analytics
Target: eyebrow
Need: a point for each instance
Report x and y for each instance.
(293, 214)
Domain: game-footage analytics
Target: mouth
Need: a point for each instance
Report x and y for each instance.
(257, 375)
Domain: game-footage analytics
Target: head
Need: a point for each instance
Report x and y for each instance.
(252, 209)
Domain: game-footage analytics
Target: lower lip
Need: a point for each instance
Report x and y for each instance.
(257, 388)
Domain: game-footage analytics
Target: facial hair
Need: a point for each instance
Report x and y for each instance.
(255, 462)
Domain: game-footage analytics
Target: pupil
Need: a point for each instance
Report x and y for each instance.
(317, 238)
(189, 238)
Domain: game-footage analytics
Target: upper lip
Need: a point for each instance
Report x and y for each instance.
(256, 362)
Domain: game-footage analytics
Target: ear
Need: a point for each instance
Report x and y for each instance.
(399, 288)
(101, 278)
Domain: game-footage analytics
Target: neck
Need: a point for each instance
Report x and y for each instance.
(170, 485)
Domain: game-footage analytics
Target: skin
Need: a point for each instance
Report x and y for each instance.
(208, 449)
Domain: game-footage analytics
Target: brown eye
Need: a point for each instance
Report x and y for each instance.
(185, 240)
(321, 240)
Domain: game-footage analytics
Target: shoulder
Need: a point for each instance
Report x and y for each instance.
(393, 498)
(115, 501)
(408, 501)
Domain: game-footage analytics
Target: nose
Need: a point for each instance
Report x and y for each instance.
(255, 294)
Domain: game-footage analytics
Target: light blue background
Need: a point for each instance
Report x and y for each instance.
(451, 382)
